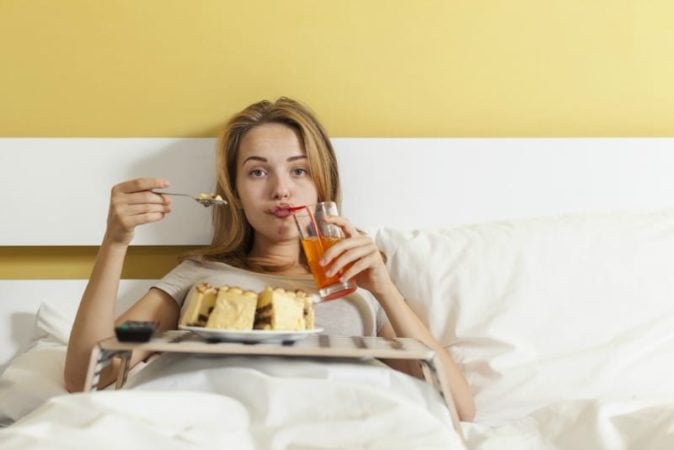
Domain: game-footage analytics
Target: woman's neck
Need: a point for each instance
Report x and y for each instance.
(284, 254)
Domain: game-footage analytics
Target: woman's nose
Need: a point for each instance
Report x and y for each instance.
(281, 187)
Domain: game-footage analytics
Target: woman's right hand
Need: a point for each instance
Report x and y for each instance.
(133, 203)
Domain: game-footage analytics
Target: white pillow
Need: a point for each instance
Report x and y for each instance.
(546, 309)
(53, 322)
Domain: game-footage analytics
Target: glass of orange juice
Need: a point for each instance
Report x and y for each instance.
(317, 236)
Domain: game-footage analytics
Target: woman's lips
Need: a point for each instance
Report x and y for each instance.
(282, 213)
(285, 211)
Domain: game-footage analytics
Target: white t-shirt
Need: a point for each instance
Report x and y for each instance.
(358, 314)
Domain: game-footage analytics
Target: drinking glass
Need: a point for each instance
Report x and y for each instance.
(317, 236)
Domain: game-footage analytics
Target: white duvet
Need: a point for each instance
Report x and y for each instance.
(181, 402)
(353, 418)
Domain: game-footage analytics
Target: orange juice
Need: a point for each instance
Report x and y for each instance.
(314, 248)
(309, 224)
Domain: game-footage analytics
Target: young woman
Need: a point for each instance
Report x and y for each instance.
(271, 156)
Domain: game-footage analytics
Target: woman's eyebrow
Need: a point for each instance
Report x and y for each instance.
(261, 159)
(254, 158)
(295, 158)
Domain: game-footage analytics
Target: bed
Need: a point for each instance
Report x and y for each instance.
(543, 265)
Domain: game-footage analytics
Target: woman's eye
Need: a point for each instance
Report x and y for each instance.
(256, 173)
(300, 171)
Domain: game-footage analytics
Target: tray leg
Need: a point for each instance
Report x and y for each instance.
(123, 369)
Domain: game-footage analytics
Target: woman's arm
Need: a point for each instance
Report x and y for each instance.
(403, 322)
(131, 204)
(361, 260)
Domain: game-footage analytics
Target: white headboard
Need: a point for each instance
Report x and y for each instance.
(55, 191)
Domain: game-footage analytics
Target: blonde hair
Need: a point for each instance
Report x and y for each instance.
(232, 234)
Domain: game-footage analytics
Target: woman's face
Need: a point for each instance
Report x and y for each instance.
(273, 174)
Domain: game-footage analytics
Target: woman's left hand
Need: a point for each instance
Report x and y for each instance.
(359, 252)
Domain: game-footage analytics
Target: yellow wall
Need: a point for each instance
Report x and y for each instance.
(368, 67)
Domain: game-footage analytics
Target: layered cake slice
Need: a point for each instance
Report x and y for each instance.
(199, 305)
(234, 309)
(278, 309)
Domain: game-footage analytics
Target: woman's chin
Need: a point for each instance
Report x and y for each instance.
(287, 232)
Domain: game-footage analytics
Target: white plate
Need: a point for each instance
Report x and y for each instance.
(251, 335)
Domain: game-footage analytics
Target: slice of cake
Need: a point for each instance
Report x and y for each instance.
(199, 305)
(278, 309)
(234, 309)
